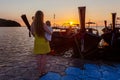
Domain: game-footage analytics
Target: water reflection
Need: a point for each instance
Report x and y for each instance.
(15, 41)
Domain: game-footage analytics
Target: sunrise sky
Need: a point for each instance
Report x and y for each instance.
(65, 10)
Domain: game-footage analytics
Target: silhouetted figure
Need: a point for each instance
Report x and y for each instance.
(41, 44)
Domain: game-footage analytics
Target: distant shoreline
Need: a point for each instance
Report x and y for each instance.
(9, 23)
(10, 26)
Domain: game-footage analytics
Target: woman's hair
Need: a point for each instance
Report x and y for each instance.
(39, 23)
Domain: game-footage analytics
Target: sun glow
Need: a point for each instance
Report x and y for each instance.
(71, 23)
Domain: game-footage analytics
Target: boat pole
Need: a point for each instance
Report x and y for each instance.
(24, 18)
(82, 11)
(113, 21)
(105, 22)
(113, 28)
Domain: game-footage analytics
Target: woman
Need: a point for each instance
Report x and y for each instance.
(41, 44)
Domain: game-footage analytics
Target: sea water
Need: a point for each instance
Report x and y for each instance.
(16, 40)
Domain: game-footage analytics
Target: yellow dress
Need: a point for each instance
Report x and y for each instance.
(41, 45)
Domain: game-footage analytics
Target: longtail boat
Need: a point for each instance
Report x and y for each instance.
(84, 43)
(88, 40)
(112, 38)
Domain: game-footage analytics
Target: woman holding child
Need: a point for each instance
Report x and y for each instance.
(41, 44)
